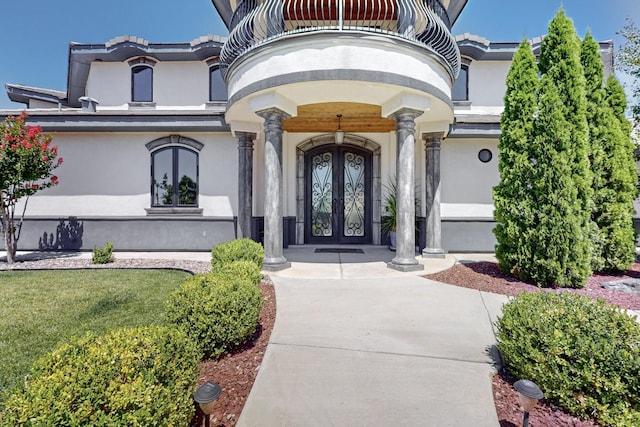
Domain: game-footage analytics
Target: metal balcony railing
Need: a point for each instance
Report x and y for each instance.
(256, 22)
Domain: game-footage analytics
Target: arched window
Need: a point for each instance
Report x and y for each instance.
(217, 87)
(461, 85)
(142, 83)
(174, 177)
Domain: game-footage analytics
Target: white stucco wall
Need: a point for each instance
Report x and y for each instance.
(180, 83)
(487, 82)
(109, 83)
(175, 84)
(109, 174)
(467, 183)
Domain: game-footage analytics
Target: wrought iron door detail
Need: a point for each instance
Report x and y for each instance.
(338, 195)
(354, 195)
(322, 195)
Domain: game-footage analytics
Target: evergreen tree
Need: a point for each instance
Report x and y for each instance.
(512, 196)
(560, 65)
(598, 118)
(558, 240)
(616, 221)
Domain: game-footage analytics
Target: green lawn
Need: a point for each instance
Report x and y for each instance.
(41, 309)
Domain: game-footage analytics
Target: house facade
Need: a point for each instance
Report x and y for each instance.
(291, 130)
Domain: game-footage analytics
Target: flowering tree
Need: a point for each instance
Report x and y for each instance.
(26, 164)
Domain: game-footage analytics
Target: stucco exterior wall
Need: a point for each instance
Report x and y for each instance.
(109, 83)
(487, 82)
(180, 84)
(175, 84)
(467, 183)
(109, 174)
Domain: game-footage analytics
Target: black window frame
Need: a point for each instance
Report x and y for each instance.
(134, 70)
(175, 179)
(464, 73)
(216, 69)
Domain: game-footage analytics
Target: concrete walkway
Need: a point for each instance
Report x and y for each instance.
(358, 344)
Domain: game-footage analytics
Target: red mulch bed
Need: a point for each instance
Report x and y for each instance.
(485, 276)
(236, 372)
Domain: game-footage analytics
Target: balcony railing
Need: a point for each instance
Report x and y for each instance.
(256, 22)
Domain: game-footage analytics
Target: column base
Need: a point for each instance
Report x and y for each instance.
(276, 264)
(405, 267)
(433, 253)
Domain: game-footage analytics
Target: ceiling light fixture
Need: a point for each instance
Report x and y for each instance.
(339, 133)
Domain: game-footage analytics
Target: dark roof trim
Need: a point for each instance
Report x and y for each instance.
(455, 8)
(24, 94)
(479, 48)
(483, 127)
(78, 121)
(224, 10)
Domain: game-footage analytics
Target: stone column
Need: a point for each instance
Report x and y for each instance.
(273, 250)
(245, 182)
(433, 248)
(405, 259)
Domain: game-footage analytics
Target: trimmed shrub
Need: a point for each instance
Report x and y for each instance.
(243, 269)
(130, 377)
(103, 255)
(218, 312)
(236, 250)
(584, 354)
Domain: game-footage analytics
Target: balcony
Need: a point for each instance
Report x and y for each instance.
(423, 22)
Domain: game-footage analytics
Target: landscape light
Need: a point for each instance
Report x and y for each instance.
(529, 393)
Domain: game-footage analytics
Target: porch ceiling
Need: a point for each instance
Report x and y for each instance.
(322, 117)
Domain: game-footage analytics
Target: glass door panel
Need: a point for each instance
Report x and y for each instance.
(322, 195)
(354, 195)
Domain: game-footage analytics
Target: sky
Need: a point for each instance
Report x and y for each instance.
(35, 34)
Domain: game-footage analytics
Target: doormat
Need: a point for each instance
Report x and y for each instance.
(339, 251)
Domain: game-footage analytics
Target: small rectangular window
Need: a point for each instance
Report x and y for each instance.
(217, 87)
(461, 85)
(142, 84)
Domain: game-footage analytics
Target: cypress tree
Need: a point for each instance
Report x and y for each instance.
(560, 65)
(512, 196)
(616, 222)
(598, 119)
(558, 238)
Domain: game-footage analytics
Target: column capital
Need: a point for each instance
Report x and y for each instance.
(269, 113)
(245, 136)
(432, 136)
(245, 140)
(405, 113)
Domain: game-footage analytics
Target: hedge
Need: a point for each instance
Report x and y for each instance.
(141, 376)
(582, 353)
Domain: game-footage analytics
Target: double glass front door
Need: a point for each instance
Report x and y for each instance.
(338, 195)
